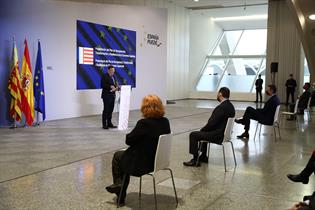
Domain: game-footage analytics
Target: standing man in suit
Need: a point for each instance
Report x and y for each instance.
(109, 88)
(259, 82)
(291, 85)
(213, 131)
(264, 115)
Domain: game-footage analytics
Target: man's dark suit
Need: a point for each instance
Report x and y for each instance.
(108, 97)
(138, 159)
(213, 131)
(264, 115)
(291, 85)
(259, 82)
(303, 100)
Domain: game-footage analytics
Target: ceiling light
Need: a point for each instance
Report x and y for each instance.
(237, 18)
(196, 0)
(312, 17)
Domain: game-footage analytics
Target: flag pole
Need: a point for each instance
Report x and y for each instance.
(14, 124)
(37, 119)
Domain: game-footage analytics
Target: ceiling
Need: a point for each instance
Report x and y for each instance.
(212, 4)
(230, 8)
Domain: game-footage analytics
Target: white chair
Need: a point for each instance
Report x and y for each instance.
(162, 162)
(227, 138)
(308, 109)
(294, 113)
(276, 124)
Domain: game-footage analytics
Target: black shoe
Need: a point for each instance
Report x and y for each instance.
(203, 159)
(105, 127)
(121, 203)
(238, 120)
(244, 135)
(192, 162)
(114, 188)
(307, 197)
(298, 178)
(112, 126)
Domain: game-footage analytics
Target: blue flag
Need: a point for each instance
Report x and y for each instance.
(39, 91)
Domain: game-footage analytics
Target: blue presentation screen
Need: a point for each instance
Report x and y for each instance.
(99, 46)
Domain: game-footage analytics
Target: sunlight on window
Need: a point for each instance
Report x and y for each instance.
(237, 60)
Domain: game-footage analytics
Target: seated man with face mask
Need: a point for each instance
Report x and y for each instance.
(213, 131)
(264, 115)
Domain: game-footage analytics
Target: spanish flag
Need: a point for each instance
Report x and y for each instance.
(27, 85)
(15, 89)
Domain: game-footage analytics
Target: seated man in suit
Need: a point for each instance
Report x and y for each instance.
(303, 99)
(139, 158)
(264, 115)
(213, 131)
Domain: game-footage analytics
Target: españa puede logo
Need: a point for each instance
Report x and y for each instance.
(86, 55)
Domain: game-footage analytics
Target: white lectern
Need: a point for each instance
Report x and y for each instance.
(125, 91)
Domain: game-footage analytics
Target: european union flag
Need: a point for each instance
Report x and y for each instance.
(39, 91)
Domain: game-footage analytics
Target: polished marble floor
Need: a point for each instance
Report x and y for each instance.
(66, 164)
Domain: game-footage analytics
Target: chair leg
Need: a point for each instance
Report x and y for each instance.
(208, 150)
(297, 121)
(224, 157)
(233, 153)
(260, 129)
(140, 187)
(121, 189)
(154, 192)
(199, 150)
(278, 125)
(173, 186)
(274, 131)
(256, 130)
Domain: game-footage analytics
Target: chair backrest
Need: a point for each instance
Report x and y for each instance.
(228, 129)
(296, 106)
(276, 117)
(163, 152)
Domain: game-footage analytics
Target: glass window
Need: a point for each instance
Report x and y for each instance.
(211, 75)
(227, 43)
(241, 69)
(253, 42)
(239, 56)
(306, 72)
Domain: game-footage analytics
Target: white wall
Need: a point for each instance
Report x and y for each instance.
(283, 46)
(55, 24)
(204, 33)
(177, 44)
(299, 11)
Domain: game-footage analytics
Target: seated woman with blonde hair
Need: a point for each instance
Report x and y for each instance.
(138, 159)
